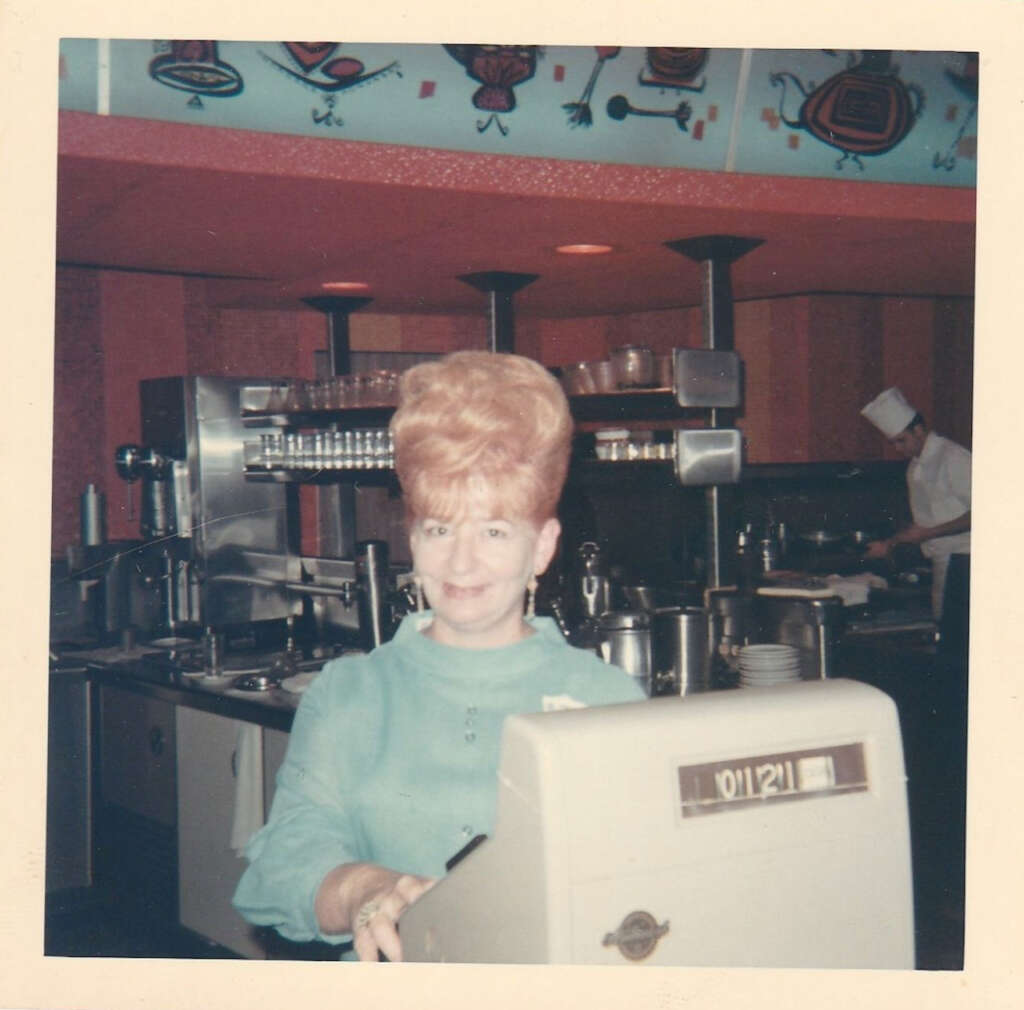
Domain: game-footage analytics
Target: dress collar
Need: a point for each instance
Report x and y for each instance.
(450, 662)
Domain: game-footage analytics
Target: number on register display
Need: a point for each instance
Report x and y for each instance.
(724, 785)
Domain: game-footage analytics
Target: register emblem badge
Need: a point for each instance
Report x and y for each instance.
(637, 936)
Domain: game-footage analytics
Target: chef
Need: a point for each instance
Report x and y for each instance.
(939, 485)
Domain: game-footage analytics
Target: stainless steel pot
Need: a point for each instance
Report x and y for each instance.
(679, 648)
(640, 597)
(633, 366)
(728, 619)
(624, 640)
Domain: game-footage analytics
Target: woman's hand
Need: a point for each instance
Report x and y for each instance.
(373, 928)
(366, 900)
(878, 549)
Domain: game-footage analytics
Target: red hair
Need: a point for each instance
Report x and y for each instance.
(478, 427)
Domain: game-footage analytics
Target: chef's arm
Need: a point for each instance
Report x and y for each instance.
(915, 534)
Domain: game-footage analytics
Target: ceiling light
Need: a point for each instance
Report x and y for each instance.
(583, 249)
(346, 286)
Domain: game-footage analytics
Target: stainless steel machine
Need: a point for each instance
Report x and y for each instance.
(765, 827)
(224, 540)
(223, 543)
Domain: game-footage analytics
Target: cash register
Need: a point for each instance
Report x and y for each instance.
(755, 827)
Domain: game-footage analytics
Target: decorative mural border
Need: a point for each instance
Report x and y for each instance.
(872, 116)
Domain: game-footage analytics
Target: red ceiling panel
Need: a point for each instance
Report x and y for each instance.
(280, 215)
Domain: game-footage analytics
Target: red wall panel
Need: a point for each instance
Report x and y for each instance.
(811, 363)
(954, 353)
(143, 334)
(78, 400)
(908, 325)
(754, 344)
(845, 343)
(790, 389)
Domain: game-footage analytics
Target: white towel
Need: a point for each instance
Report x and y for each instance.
(249, 813)
(855, 589)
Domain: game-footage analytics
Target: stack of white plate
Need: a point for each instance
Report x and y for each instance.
(765, 665)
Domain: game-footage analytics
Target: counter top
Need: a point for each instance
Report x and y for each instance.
(153, 672)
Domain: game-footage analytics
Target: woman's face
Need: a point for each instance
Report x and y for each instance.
(475, 570)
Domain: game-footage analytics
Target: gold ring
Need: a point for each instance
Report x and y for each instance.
(365, 914)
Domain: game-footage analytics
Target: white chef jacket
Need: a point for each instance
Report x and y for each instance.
(939, 483)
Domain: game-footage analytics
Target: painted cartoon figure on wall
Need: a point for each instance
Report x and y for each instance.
(317, 65)
(579, 111)
(864, 110)
(666, 67)
(674, 67)
(194, 65)
(965, 80)
(498, 69)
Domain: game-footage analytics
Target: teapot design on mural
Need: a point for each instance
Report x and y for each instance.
(864, 110)
(319, 68)
(498, 69)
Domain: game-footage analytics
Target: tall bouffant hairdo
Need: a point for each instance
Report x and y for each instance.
(477, 423)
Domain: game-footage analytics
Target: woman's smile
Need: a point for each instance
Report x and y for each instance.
(463, 592)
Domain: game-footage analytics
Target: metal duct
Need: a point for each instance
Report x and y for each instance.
(715, 255)
(500, 287)
(337, 309)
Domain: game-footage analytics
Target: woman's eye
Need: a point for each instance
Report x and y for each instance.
(496, 532)
(436, 530)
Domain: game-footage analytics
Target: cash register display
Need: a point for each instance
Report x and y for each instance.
(718, 786)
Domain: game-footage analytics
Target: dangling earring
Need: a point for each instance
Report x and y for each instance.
(531, 592)
(418, 583)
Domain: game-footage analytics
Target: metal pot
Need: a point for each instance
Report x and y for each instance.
(640, 597)
(728, 618)
(585, 377)
(821, 538)
(624, 640)
(633, 365)
(578, 379)
(679, 648)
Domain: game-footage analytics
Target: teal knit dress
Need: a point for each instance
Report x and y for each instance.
(393, 759)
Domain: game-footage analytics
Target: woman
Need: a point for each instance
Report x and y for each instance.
(392, 763)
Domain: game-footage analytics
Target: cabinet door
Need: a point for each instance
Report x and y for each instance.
(69, 784)
(137, 754)
(208, 867)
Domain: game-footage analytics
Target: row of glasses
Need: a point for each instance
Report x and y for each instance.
(353, 449)
(378, 388)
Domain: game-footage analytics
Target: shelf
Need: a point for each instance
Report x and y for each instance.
(625, 406)
(618, 407)
(319, 475)
(356, 417)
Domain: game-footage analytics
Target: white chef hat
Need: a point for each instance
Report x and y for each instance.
(890, 412)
